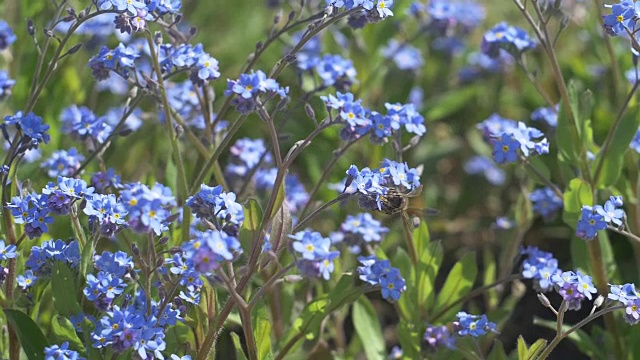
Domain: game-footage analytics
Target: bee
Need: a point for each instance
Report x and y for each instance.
(394, 202)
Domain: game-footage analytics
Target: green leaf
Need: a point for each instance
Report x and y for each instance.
(536, 349)
(450, 102)
(278, 201)
(86, 260)
(580, 255)
(262, 333)
(425, 274)
(63, 330)
(497, 353)
(489, 277)
(65, 290)
(613, 160)
(252, 214)
(365, 320)
(407, 303)
(577, 194)
(522, 348)
(421, 238)
(238, 346)
(459, 281)
(409, 340)
(541, 170)
(309, 321)
(31, 338)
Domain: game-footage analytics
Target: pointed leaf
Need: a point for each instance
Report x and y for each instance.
(459, 281)
(536, 349)
(365, 320)
(31, 338)
(262, 333)
(65, 290)
(577, 194)
(252, 214)
(63, 330)
(240, 355)
(281, 226)
(425, 273)
(523, 349)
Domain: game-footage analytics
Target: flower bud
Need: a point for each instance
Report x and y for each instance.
(544, 300)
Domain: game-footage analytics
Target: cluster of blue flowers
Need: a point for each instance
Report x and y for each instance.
(629, 296)
(546, 202)
(404, 56)
(109, 282)
(61, 352)
(218, 208)
(134, 14)
(315, 254)
(246, 154)
(119, 60)
(503, 36)
(7, 37)
(594, 218)
(358, 231)
(378, 272)
(42, 258)
(81, 123)
(6, 84)
(31, 128)
(436, 336)
(63, 163)
(549, 115)
(249, 87)
(360, 121)
(483, 165)
(542, 267)
(148, 209)
(507, 137)
(202, 66)
(380, 8)
(373, 186)
(6, 252)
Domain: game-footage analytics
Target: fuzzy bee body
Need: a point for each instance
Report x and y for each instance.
(393, 202)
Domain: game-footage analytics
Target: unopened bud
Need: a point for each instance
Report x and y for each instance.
(157, 38)
(159, 262)
(278, 17)
(163, 240)
(282, 104)
(544, 300)
(74, 49)
(309, 110)
(292, 14)
(179, 130)
(48, 32)
(135, 250)
(31, 28)
(193, 31)
(564, 306)
(292, 278)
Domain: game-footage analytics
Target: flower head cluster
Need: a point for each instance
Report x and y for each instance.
(104, 287)
(473, 325)
(546, 202)
(106, 213)
(295, 194)
(81, 123)
(6, 84)
(134, 14)
(63, 163)
(211, 248)
(42, 258)
(125, 328)
(310, 54)
(507, 137)
(203, 67)
(437, 336)
(119, 60)
(6, 252)
(148, 209)
(506, 37)
(549, 115)
(450, 17)
(315, 258)
(383, 189)
(334, 70)
(33, 211)
(481, 65)
(246, 154)
(249, 86)
(104, 180)
(61, 352)
(219, 208)
(34, 131)
(188, 277)
(404, 56)
(542, 267)
(629, 296)
(7, 37)
(183, 98)
(483, 165)
(380, 273)
(357, 231)
(598, 217)
(380, 8)
(360, 121)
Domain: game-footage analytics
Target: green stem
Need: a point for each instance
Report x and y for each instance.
(182, 178)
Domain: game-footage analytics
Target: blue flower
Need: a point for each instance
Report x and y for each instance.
(546, 202)
(392, 285)
(63, 163)
(61, 352)
(547, 114)
(474, 325)
(504, 36)
(119, 60)
(483, 165)
(335, 70)
(27, 280)
(632, 312)
(7, 251)
(7, 37)
(504, 150)
(610, 212)
(383, 8)
(6, 84)
(310, 244)
(589, 223)
(622, 17)
(380, 272)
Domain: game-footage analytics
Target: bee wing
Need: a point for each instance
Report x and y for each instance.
(423, 213)
(415, 192)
